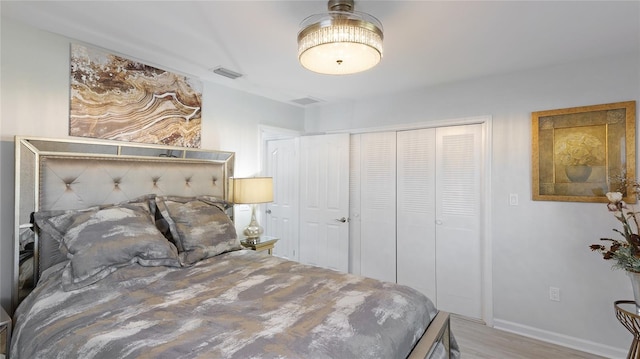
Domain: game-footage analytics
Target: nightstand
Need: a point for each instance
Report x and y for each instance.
(5, 332)
(264, 243)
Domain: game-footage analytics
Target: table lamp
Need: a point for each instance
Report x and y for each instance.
(252, 191)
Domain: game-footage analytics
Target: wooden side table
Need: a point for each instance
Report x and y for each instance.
(264, 243)
(627, 314)
(5, 331)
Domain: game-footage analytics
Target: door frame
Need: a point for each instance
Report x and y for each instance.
(487, 129)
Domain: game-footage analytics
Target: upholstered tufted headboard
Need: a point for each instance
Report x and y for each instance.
(73, 174)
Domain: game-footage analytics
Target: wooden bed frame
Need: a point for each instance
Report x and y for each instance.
(73, 174)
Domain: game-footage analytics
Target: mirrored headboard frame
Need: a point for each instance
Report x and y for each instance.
(180, 168)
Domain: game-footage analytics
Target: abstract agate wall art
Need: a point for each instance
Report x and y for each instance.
(119, 99)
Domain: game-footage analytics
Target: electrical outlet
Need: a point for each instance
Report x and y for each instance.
(513, 199)
(554, 294)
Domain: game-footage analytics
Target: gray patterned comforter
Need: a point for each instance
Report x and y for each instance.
(240, 304)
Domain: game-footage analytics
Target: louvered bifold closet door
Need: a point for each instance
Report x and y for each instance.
(416, 237)
(378, 206)
(458, 214)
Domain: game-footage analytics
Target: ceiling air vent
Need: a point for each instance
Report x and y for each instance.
(305, 101)
(226, 73)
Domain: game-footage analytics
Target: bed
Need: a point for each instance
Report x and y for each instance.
(135, 255)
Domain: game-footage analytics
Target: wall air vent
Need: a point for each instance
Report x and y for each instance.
(305, 101)
(226, 72)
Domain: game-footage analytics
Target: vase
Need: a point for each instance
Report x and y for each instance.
(635, 285)
(579, 173)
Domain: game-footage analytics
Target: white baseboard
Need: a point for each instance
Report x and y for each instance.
(560, 339)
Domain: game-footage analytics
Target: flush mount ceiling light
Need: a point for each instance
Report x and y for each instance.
(341, 41)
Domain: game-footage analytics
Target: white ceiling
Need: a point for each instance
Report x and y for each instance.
(425, 42)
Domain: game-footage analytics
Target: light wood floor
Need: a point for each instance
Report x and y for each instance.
(478, 341)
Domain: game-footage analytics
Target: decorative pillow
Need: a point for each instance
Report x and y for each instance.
(52, 225)
(99, 242)
(199, 225)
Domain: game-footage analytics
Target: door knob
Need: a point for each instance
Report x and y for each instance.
(343, 220)
(438, 221)
(268, 211)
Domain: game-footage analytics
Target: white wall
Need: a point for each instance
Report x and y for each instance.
(536, 244)
(35, 102)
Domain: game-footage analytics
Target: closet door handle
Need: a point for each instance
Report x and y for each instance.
(342, 220)
(439, 222)
(268, 211)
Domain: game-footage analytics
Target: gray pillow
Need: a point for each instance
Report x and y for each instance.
(52, 225)
(199, 225)
(99, 242)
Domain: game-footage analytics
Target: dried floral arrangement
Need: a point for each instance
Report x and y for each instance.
(625, 252)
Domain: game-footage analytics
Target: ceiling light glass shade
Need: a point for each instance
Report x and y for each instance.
(340, 42)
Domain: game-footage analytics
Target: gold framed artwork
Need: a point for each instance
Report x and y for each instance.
(581, 153)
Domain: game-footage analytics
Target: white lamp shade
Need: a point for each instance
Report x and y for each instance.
(252, 190)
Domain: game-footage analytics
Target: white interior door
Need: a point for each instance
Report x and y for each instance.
(458, 218)
(282, 214)
(378, 205)
(324, 201)
(416, 204)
